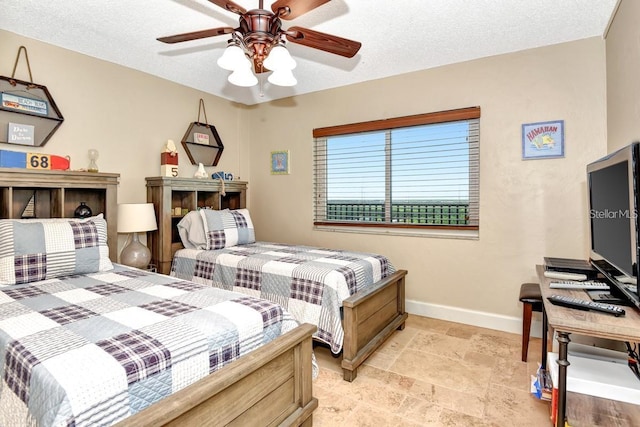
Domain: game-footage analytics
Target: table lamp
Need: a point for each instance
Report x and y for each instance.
(135, 218)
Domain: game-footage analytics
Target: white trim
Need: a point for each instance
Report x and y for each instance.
(475, 318)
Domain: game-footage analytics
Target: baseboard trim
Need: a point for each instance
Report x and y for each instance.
(475, 318)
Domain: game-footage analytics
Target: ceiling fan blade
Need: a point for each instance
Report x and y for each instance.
(290, 9)
(322, 41)
(196, 35)
(230, 6)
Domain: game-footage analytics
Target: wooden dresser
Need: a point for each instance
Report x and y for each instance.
(173, 198)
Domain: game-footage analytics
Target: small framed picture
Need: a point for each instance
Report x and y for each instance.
(280, 162)
(543, 140)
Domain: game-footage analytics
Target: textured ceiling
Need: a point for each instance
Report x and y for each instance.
(398, 36)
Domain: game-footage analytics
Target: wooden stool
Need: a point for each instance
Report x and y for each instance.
(531, 299)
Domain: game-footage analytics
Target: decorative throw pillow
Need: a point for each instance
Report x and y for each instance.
(34, 249)
(227, 228)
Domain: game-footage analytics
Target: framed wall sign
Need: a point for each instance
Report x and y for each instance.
(280, 162)
(543, 140)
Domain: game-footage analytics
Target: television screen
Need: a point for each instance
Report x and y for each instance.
(613, 183)
(611, 216)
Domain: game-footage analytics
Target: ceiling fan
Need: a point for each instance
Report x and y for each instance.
(261, 38)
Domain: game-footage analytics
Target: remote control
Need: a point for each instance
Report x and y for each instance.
(564, 276)
(582, 304)
(573, 284)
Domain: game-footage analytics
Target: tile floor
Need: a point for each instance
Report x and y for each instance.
(434, 373)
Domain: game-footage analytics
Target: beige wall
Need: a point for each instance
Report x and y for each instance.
(528, 209)
(125, 114)
(623, 84)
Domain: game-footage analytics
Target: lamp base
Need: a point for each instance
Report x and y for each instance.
(135, 254)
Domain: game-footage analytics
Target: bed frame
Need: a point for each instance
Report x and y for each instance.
(270, 386)
(370, 317)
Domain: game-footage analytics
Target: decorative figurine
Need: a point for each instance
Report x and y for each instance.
(200, 173)
(169, 160)
(93, 156)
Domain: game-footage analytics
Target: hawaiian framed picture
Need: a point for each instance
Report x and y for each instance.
(280, 162)
(543, 140)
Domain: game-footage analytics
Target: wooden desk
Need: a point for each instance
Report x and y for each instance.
(566, 321)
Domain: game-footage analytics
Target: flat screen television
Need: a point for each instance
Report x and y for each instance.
(613, 183)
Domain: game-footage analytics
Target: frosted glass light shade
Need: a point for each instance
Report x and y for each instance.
(134, 217)
(279, 59)
(243, 77)
(282, 78)
(233, 59)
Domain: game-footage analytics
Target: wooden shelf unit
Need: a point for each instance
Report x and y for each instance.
(187, 194)
(58, 193)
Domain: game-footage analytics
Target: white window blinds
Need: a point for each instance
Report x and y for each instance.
(417, 171)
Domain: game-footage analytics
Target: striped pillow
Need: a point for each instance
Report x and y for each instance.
(34, 249)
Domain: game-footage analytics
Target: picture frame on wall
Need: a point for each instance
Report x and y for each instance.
(543, 140)
(280, 162)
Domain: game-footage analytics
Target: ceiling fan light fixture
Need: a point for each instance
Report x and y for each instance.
(233, 58)
(243, 77)
(279, 59)
(282, 77)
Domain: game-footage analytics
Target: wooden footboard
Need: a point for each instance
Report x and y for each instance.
(270, 386)
(370, 317)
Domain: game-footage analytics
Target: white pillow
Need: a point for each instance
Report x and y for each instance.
(191, 231)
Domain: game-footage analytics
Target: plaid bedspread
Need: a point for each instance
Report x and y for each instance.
(94, 349)
(309, 282)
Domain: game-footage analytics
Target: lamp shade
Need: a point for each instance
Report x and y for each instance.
(135, 217)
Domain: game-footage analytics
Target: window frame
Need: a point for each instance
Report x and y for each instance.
(321, 134)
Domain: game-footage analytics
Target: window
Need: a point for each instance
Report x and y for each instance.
(410, 172)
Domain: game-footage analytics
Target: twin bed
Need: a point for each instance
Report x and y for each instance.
(87, 342)
(355, 299)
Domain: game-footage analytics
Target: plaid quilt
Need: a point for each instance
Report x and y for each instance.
(309, 282)
(93, 349)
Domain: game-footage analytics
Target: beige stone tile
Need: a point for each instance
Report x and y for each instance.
(499, 345)
(398, 341)
(462, 331)
(372, 416)
(428, 324)
(511, 373)
(508, 406)
(482, 359)
(420, 411)
(400, 383)
(444, 371)
(449, 399)
(451, 418)
(333, 409)
(440, 344)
